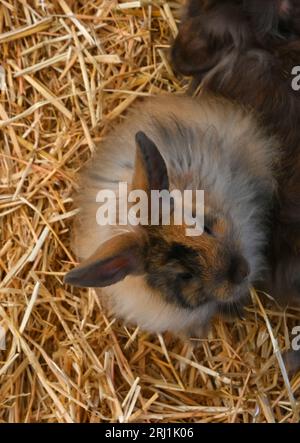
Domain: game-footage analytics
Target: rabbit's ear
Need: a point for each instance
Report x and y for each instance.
(150, 171)
(112, 261)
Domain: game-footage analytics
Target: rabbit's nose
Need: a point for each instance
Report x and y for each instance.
(238, 270)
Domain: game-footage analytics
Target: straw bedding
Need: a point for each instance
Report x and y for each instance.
(69, 70)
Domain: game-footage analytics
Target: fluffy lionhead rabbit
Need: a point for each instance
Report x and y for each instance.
(246, 51)
(155, 275)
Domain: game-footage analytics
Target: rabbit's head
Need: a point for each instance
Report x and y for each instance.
(208, 29)
(186, 271)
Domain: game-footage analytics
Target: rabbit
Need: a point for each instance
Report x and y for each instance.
(246, 52)
(156, 276)
(211, 29)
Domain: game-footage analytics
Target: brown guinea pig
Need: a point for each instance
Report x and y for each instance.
(246, 51)
(154, 274)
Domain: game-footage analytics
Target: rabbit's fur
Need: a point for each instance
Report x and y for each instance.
(210, 29)
(156, 276)
(245, 51)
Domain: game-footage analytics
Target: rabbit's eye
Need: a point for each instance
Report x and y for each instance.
(210, 222)
(208, 230)
(186, 276)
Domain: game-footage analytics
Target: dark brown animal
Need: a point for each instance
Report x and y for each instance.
(246, 50)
